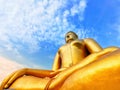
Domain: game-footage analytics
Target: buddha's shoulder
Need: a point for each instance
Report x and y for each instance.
(63, 46)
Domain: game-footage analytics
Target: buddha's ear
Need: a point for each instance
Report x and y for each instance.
(92, 46)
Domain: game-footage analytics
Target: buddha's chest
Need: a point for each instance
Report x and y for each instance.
(72, 53)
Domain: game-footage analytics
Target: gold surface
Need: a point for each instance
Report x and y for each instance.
(78, 65)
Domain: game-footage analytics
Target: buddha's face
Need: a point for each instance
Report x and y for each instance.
(70, 37)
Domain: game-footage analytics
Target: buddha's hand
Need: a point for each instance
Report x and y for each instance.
(11, 78)
(53, 74)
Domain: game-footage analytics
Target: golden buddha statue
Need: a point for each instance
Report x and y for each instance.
(78, 65)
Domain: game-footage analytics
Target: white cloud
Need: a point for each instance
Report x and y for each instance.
(24, 24)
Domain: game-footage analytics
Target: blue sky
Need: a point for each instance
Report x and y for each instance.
(31, 31)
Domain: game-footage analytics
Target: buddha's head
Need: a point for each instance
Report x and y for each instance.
(70, 36)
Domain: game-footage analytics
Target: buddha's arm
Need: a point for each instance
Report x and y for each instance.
(92, 45)
(57, 62)
(34, 72)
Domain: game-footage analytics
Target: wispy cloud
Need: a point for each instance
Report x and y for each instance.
(24, 24)
(79, 8)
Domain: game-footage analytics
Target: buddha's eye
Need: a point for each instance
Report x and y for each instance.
(68, 36)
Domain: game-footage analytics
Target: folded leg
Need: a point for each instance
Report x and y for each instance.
(103, 74)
